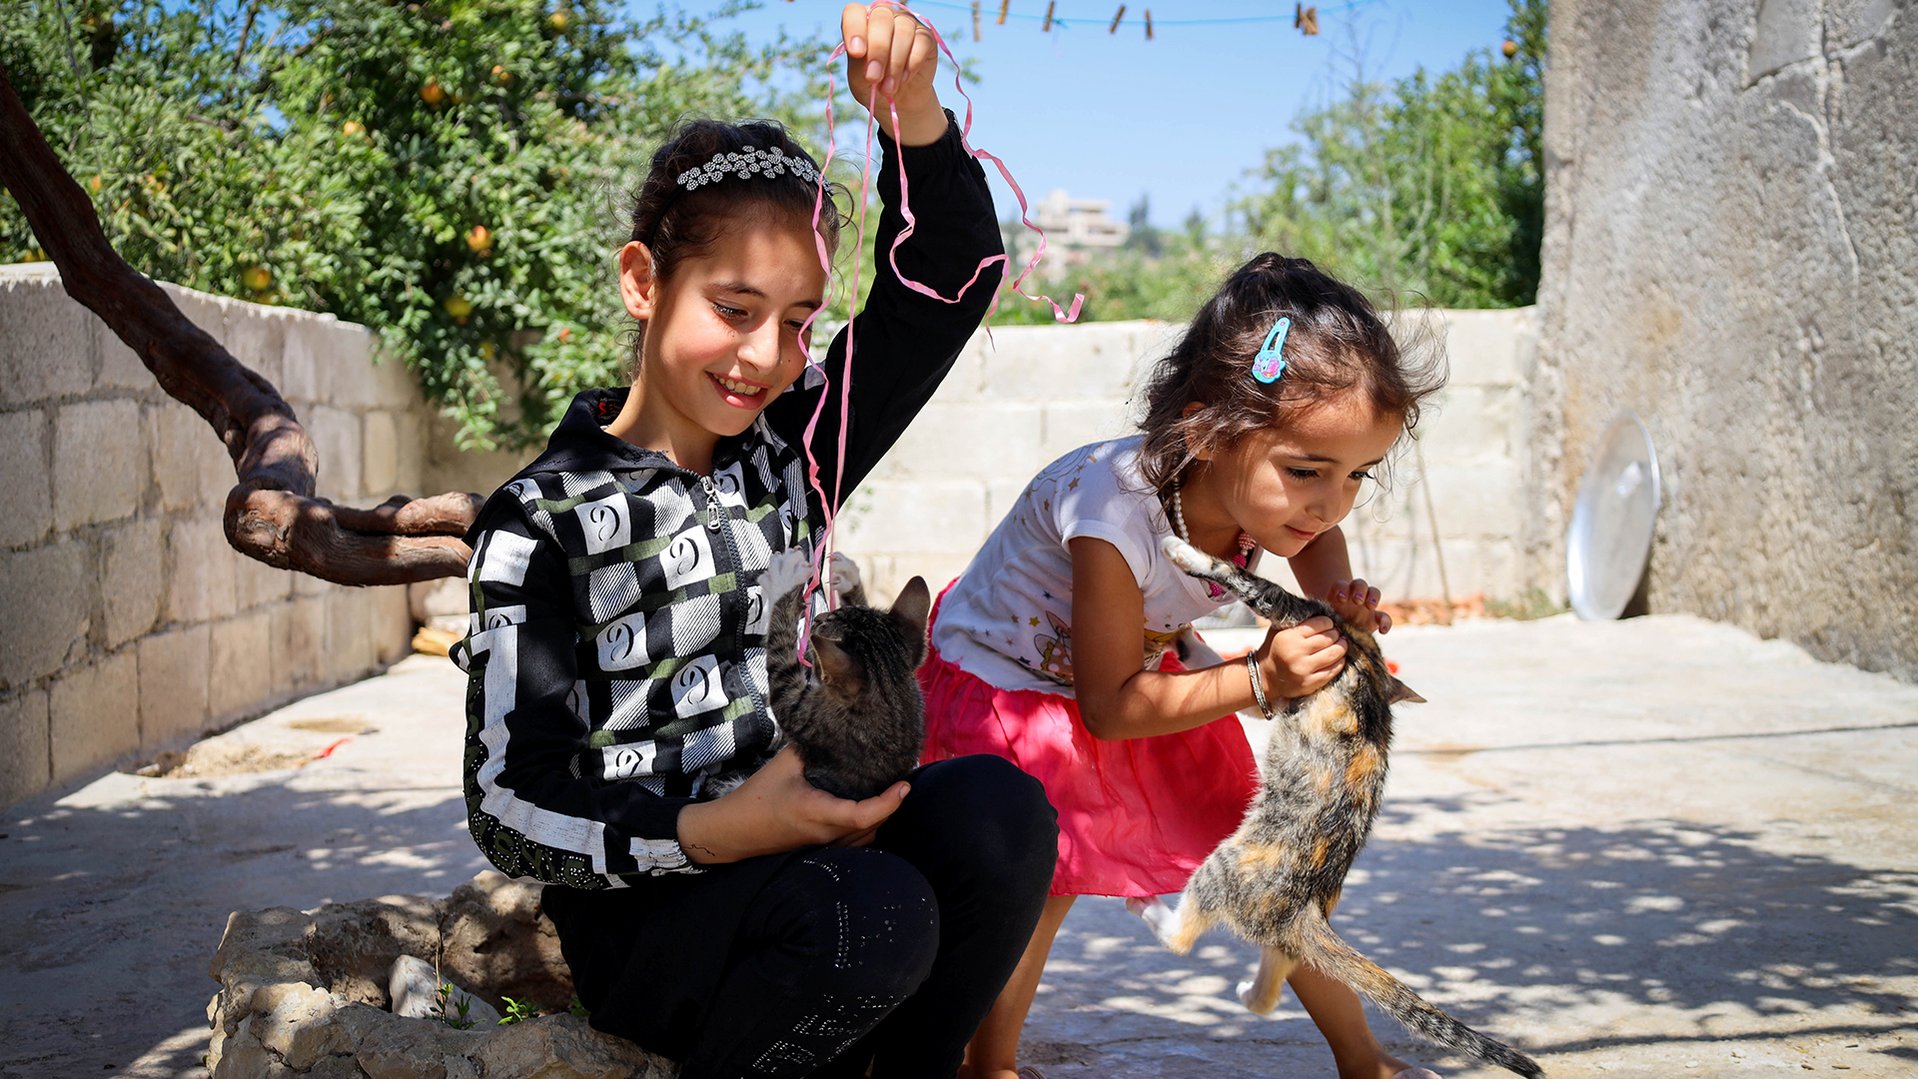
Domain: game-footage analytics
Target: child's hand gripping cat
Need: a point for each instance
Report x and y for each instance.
(1275, 881)
(855, 714)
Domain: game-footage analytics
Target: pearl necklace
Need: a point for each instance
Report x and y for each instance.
(1246, 543)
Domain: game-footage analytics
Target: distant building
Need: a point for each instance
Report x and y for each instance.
(1074, 228)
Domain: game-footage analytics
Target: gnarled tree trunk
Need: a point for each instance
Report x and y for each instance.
(271, 513)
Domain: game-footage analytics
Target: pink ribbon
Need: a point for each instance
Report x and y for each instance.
(830, 507)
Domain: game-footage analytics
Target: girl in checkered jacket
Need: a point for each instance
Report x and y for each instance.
(616, 656)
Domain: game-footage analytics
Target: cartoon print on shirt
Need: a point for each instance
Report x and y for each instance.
(1156, 642)
(1055, 652)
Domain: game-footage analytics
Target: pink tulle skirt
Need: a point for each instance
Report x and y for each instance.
(1136, 817)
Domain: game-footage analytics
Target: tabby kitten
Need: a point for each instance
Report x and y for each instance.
(1275, 881)
(856, 714)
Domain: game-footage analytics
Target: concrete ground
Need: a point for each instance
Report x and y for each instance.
(1658, 847)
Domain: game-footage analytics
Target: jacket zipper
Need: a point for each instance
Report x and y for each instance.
(715, 518)
(713, 510)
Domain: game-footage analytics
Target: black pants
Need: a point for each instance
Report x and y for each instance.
(825, 961)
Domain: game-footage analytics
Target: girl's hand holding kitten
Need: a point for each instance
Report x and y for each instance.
(1304, 658)
(776, 810)
(1301, 659)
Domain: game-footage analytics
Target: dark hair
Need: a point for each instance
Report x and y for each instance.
(675, 223)
(1337, 342)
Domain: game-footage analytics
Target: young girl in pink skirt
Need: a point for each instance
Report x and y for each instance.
(1060, 646)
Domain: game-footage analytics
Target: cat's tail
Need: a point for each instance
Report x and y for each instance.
(1319, 945)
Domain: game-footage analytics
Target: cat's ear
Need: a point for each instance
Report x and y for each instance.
(837, 669)
(1402, 692)
(914, 606)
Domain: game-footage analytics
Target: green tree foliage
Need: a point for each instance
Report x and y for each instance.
(1156, 273)
(1124, 284)
(448, 172)
(1431, 185)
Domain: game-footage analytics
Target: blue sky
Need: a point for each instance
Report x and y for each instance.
(1180, 118)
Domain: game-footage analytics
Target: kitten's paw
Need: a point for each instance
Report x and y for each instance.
(1157, 914)
(789, 569)
(1254, 1002)
(844, 573)
(1184, 555)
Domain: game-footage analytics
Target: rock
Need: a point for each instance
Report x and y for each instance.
(306, 993)
(352, 945)
(414, 987)
(557, 1047)
(494, 934)
(294, 1020)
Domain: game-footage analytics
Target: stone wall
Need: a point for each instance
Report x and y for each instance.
(130, 625)
(1732, 252)
(1030, 393)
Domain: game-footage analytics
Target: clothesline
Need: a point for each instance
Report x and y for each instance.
(1298, 17)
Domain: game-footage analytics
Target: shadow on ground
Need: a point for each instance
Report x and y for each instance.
(1559, 940)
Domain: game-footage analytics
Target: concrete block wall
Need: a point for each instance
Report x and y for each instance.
(1448, 518)
(1016, 400)
(130, 625)
(1026, 394)
(1730, 254)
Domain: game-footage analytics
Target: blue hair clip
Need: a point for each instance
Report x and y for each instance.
(1269, 364)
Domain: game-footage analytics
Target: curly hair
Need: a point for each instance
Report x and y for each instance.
(1337, 342)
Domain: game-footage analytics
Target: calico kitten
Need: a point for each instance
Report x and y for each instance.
(856, 714)
(1275, 881)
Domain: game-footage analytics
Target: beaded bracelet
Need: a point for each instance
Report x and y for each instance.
(1258, 686)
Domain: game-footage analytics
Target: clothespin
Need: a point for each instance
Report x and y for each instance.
(975, 20)
(1047, 28)
(1305, 19)
(1116, 20)
(1003, 5)
(1148, 24)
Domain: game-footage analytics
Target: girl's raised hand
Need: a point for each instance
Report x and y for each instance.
(1358, 603)
(1302, 659)
(889, 52)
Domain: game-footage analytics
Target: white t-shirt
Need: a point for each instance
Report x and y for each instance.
(1008, 619)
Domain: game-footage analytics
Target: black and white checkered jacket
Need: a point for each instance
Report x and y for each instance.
(616, 662)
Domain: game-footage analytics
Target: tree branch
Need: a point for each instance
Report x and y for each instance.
(271, 514)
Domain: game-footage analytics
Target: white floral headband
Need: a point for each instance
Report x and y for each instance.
(747, 163)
